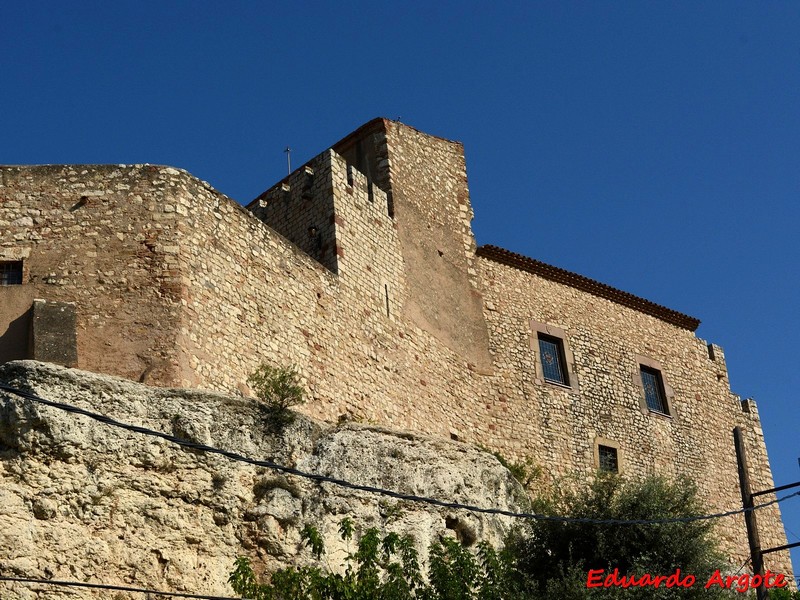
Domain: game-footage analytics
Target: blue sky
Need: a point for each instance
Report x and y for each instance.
(652, 146)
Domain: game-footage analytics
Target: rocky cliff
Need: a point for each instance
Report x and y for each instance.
(84, 501)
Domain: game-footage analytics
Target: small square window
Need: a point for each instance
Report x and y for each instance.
(11, 272)
(551, 352)
(607, 456)
(653, 389)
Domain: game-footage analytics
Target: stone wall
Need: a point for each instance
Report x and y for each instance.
(301, 209)
(176, 284)
(15, 323)
(428, 180)
(105, 238)
(258, 298)
(371, 262)
(562, 426)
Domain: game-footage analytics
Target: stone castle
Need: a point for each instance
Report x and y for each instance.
(361, 269)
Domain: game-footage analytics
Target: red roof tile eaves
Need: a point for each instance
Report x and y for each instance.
(591, 286)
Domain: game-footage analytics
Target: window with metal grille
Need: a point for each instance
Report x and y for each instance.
(653, 389)
(11, 272)
(608, 459)
(552, 357)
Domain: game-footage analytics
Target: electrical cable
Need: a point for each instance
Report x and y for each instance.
(119, 588)
(739, 570)
(371, 489)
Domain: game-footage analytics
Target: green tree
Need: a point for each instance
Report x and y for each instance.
(554, 558)
(456, 573)
(541, 560)
(278, 389)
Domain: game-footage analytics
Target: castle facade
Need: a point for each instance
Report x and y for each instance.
(361, 269)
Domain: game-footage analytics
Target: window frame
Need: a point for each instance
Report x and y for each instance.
(20, 273)
(557, 335)
(561, 361)
(645, 364)
(607, 454)
(657, 400)
(607, 443)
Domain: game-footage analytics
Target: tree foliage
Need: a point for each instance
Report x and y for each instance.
(384, 567)
(278, 389)
(542, 559)
(553, 558)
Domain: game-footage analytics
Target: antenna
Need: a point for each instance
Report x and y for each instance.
(288, 160)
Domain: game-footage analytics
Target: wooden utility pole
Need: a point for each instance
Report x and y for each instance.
(750, 515)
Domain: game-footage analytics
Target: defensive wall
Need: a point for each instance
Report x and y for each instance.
(360, 268)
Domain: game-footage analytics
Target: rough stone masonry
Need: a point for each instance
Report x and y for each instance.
(82, 501)
(361, 269)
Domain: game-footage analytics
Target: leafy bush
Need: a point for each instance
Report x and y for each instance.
(384, 567)
(541, 560)
(278, 389)
(455, 573)
(553, 558)
(526, 472)
(784, 594)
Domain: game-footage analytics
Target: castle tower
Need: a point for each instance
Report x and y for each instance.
(394, 218)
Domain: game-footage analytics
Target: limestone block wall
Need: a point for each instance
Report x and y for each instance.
(769, 519)
(561, 426)
(427, 197)
(428, 181)
(371, 261)
(103, 237)
(15, 319)
(336, 215)
(251, 296)
(175, 284)
(366, 150)
(301, 209)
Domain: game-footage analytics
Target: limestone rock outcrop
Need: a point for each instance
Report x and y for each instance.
(84, 501)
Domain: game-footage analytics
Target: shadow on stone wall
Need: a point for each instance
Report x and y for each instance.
(15, 340)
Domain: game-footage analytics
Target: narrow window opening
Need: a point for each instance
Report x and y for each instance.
(551, 351)
(390, 204)
(350, 175)
(654, 394)
(386, 292)
(11, 272)
(370, 193)
(607, 456)
(315, 241)
(308, 186)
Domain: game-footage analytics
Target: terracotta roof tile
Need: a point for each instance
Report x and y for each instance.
(585, 284)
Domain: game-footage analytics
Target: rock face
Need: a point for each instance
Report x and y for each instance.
(84, 501)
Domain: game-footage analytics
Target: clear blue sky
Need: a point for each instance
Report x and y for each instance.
(652, 146)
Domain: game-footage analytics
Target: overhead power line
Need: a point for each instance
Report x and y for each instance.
(371, 489)
(118, 588)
